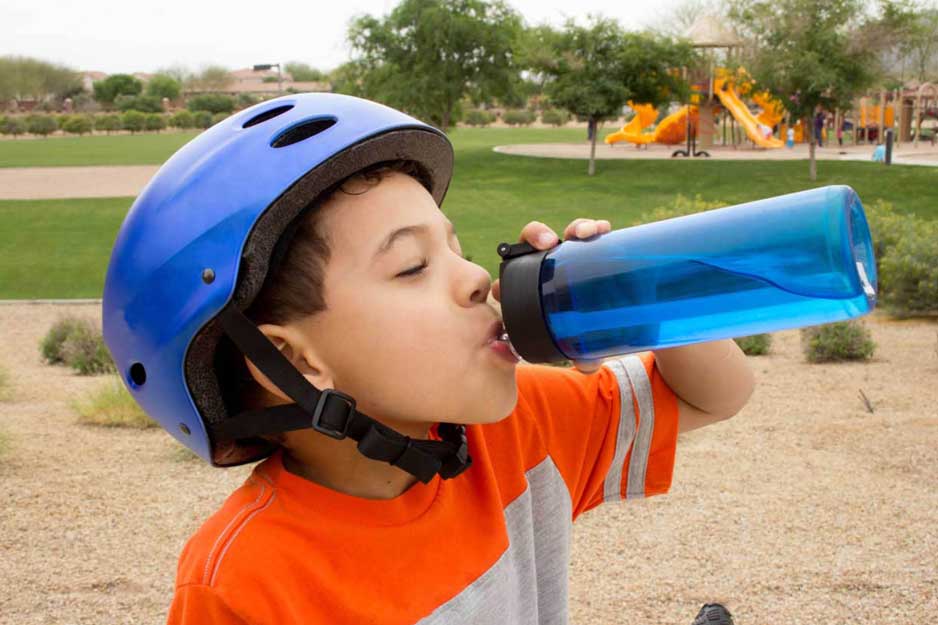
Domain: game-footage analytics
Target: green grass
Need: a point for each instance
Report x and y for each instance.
(111, 405)
(60, 248)
(142, 149)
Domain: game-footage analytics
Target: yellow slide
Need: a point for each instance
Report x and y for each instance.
(645, 116)
(740, 112)
(673, 129)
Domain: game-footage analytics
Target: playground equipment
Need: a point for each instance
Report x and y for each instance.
(755, 130)
(645, 116)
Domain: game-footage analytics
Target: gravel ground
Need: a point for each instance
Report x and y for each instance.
(804, 508)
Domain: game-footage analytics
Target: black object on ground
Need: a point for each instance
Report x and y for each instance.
(713, 614)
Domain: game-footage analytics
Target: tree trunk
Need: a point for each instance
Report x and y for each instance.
(592, 130)
(812, 163)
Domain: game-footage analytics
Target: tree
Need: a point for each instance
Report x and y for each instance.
(810, 54)
(133, 121)
(162, 86)
(427, 55)
(105, 91)
(211, 78)
(594, 70)
(27, 78)
(301, 72)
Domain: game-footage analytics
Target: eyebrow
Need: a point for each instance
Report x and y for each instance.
(411, 231)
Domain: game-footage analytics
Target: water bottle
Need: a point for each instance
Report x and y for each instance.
(784, 262)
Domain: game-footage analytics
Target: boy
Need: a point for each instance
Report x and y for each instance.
(456, 502)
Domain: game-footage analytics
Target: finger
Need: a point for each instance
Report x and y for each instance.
(497, 291)
(539, 235)
(570, 231)
(604, 226)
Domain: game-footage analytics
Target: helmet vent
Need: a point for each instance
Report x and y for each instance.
(268, 114)
(302, 131)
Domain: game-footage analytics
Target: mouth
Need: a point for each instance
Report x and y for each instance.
(497, 332)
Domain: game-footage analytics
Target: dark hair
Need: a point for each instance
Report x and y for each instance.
(293, 287)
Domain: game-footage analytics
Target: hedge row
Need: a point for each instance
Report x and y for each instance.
(555, 117)
(132, 120)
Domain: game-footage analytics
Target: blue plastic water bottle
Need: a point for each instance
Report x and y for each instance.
(785, 262)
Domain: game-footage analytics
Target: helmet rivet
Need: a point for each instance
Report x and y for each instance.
(208, 276)
(185, 429)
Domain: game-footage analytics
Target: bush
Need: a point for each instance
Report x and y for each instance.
(142, 103)
(908, 274)
(78, 125)
(519, 117)
(478, 117)
(202, 119)
(681, 206)
(844, 340)
(154, 121)
(50, 347)
(219, 117)
(211, 102)
(107, 123)
(247, 99)
(41, 124)
(182, 119)
(134, 121)
(112, 406)
(85, 352)
(755, 345)
(555, 117)
(13, 126)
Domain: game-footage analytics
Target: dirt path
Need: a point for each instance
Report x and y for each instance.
(804, 508)
(39, 183)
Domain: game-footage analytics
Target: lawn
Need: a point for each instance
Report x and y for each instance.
(60, 248)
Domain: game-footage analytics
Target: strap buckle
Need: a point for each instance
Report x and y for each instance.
(336, 433)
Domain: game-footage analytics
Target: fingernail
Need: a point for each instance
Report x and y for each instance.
(545, 239)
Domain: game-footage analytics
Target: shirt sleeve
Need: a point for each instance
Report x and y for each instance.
(197, 604)
(612, 434)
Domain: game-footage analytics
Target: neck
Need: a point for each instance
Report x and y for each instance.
(338, 465)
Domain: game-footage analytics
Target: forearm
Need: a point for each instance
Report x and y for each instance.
(714, 376)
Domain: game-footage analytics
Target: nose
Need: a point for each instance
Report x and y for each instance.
(474, 283)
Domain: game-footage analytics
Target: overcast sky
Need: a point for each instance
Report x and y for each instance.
(120, 36)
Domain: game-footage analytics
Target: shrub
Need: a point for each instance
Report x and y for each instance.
(78, 125)
(13, 126)
(142, 103)
(112, 406)
(520, 117)
(154, 121)
(211, 102)
(247, 99)
(182, 119)
(219, 117)
(844, 340)
(755, 345)
(85, 352)
(478, 117)
(107, 123)
(50, 347)
(41, 124)
(887, 227)
(681, 206)
(555, 117)
(202, 119)
(133, 121)
(908, 274)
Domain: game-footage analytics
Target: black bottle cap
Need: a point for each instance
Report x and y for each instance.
(519, 278)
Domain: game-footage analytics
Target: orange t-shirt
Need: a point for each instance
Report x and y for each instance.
(489, 546)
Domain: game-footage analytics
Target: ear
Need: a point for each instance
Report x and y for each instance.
(295, 347)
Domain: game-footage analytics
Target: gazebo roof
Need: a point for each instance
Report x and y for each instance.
(707, 31)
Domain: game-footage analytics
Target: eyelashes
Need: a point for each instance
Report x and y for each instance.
(413, 271)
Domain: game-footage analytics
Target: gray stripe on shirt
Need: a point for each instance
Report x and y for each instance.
(638, 462)
(612, 485)
(527, 585)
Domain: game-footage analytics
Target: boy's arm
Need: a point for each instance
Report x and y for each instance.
(196, 604)
(712, 381)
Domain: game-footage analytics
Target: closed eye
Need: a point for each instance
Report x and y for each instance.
(413, 270)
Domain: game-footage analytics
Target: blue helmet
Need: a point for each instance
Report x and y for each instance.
(197, 244)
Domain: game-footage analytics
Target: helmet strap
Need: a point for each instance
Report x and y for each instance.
(332, 413)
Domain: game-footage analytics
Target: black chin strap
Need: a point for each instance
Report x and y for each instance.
(333, 413)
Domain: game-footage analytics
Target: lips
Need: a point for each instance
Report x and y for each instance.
(496, 330)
